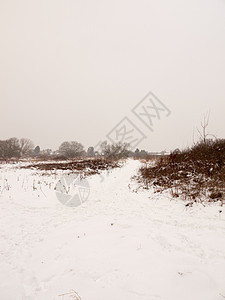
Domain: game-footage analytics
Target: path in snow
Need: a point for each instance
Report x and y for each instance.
(117, 245)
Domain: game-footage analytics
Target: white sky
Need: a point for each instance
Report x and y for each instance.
(72, 69)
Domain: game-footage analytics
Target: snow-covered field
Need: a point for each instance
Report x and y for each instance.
(117, 245)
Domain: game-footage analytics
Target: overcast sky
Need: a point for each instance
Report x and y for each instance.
(73, 69)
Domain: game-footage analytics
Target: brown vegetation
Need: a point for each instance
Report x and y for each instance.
(197, 173)
(86, 166)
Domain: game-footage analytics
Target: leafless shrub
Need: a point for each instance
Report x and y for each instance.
(196, 173)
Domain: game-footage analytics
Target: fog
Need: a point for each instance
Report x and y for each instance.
(72, 70)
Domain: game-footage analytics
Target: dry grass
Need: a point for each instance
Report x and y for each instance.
(196, 174)
(85, 166)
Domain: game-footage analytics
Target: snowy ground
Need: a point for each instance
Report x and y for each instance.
(118, 245)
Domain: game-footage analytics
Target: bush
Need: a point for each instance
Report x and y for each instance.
(196, 173)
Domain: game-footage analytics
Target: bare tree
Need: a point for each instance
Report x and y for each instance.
(115, 151)
(203, 132)
(71, 149)
(10, 148)
(26, 147)
(14, 147)
(2, 149)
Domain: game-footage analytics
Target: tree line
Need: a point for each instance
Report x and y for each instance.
(22, 148)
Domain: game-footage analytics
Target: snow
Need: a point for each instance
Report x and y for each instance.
(119, 244)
